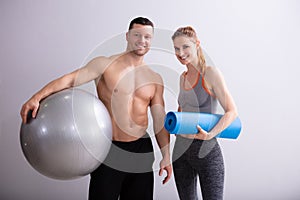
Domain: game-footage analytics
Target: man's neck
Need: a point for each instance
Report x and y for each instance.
(133, 59)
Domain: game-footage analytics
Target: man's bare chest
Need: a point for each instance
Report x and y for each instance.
(133, 83)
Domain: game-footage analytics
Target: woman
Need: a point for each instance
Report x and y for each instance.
(201, 87)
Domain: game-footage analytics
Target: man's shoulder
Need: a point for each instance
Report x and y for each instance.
(157, 78)
(150, 70)
(106, 60)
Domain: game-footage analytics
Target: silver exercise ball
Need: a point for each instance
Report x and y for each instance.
(70, 136)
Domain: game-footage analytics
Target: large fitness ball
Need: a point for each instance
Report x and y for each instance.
(70, 136)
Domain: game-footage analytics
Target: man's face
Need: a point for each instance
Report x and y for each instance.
(139, 39)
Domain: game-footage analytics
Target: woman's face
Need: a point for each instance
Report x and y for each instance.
(185, 50)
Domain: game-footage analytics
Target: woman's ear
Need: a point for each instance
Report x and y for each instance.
(198, 44)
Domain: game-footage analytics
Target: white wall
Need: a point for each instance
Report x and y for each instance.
(255, 44)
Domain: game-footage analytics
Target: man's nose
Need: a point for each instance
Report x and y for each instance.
(142, 39)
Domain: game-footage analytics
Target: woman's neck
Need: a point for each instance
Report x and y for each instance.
(193, 69)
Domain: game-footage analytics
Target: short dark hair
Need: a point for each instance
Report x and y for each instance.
(142, 21)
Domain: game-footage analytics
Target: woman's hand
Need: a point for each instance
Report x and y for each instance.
(202, 134)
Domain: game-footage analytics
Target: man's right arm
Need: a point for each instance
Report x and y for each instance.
(91, 71)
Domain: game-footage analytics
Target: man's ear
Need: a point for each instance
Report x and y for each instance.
(127, 35)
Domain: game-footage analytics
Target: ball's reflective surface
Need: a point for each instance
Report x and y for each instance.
(70, 136)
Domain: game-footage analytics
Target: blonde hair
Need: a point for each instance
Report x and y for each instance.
(188, 31)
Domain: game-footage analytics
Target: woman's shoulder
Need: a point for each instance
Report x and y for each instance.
(183, 74)
(212, 72)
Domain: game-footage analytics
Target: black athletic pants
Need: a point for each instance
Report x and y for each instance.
(126, 173)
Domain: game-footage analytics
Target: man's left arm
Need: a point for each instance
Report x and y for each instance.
(162, 136)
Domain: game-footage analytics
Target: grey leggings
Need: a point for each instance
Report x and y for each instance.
(193, 158)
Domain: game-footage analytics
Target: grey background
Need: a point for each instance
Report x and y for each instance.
(254, 43)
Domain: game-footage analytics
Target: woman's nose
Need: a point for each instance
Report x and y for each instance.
(180, 52)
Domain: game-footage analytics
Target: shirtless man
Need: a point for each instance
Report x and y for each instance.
(127, 87)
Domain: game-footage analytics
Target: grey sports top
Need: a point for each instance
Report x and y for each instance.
(197, 98)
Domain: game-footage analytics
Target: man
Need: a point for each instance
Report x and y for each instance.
(127, 87)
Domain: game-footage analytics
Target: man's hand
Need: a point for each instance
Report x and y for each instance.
(165, 164)
(31, 105)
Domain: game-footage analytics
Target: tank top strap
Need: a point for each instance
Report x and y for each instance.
(204, 85)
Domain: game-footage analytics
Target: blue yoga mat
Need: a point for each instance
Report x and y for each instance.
(186, 122)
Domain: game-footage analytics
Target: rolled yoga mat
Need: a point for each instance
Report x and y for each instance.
(186, 122)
